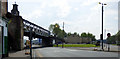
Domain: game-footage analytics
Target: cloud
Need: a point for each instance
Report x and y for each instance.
(90, 2)
(116, 18)
(111, 12)
(76, 9)
(119, 24)
(33, 15)
(97, 7)
(63, 7)
(78, 15)
(26, 0)
(87, 2)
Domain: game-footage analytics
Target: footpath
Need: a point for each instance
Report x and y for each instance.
(17, 55)
(21, 54)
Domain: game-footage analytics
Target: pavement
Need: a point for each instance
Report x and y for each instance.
(21, 54)
(17, 55)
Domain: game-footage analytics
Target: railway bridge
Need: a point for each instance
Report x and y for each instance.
(19, 27)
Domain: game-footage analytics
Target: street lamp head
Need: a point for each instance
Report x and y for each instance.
(56, 26)
(102, 3)
(99, 2)
(105, 4)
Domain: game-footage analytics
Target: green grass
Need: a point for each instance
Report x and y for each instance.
(76, 45)
(114, 44)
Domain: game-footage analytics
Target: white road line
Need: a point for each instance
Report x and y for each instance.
(73, 50)
(34, 55)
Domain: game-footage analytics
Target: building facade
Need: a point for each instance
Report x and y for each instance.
(3, 37)
(3, 29)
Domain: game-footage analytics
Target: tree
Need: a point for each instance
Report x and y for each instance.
(89, 35)
(83, 34)
(68, 34)
(114, 38)
(118, 37)
(56, 31)
(111, 40)
(75, 33)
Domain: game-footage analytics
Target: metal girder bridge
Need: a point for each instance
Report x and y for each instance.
(36, 30)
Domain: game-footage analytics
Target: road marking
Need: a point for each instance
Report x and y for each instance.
(38, 54)
(56, 51)
(34, 55)
(73, 50)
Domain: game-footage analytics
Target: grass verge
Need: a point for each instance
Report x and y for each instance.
(76, 45)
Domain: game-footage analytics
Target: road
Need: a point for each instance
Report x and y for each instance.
(64, 52)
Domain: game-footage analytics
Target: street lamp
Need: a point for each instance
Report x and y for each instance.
(102, 23)
(63, 34)
(56, 26)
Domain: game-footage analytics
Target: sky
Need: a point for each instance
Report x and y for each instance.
(78, 15)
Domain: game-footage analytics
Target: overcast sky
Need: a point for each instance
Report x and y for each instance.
(78, 15)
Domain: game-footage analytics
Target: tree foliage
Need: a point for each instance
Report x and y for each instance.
(56, 31)
(89, 35)
(68, 34)
(114, 39)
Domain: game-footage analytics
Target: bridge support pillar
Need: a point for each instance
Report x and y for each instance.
(47, 42)
(15, 33)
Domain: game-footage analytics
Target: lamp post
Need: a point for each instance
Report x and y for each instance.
(63, 34)
(102, 23)
(30, 38)
(56, 35)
